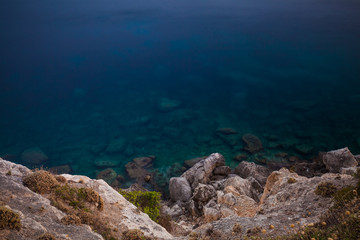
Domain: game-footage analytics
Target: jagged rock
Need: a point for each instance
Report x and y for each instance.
(252, 143)
(337, 159)
(38, 216)
(203, 193)
(349, 170)
(175, 211)
(250, 169)
(180, 189)
(34, 156)
(357, 157)
(116, 145)
(222, 170)
(242, 186)
(283, 202)
(241, 205)
(211, 214)
(202, 171)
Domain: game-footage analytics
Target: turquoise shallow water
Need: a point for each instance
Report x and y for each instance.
(77, 75)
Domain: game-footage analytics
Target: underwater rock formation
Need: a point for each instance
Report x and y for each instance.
(33, 156)
(252, 143)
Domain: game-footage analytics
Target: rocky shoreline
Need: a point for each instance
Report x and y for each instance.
(208, 201)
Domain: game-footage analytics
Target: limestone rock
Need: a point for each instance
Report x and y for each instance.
(252, 143)
(33, 156)
(242, 186)
(222, 170)
(202, 171)
(337, 159)
(203, 193)
(38, 216)
(211, 214)
(249, 169)
(180, 189)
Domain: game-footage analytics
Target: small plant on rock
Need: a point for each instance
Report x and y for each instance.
(325, 189)
(9, 219)
(147, 202)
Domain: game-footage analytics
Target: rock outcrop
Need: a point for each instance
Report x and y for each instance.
(38, 216)
(337, 159)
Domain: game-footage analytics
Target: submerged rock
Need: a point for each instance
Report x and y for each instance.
(34, 156)
(226, 131)
(108, 175)
(116, 145)
(144, 162)
(252, 143)
(167, 105)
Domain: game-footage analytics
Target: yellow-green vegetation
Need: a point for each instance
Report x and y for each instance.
(9, 219)
(40, 181)
(46, 236)
(325, 189)
(82, 205)
(148, 202)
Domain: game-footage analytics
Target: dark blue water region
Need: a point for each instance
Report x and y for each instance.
(161, 77)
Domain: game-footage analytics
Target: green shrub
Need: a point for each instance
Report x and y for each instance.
(148, 202)
(9, 219)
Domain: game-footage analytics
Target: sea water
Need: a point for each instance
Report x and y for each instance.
(161, 77)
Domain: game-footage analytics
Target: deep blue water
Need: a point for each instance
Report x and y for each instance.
(77, 74)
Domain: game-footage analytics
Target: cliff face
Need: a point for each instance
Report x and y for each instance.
(229, 206)
(208, 201)
(38, 216)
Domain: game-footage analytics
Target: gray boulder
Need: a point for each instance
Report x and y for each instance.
(202, 171)
(250, 169)
(204, 193)
(180, 189)
(337, 159)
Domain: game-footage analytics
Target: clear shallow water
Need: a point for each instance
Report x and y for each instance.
(77, 74)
